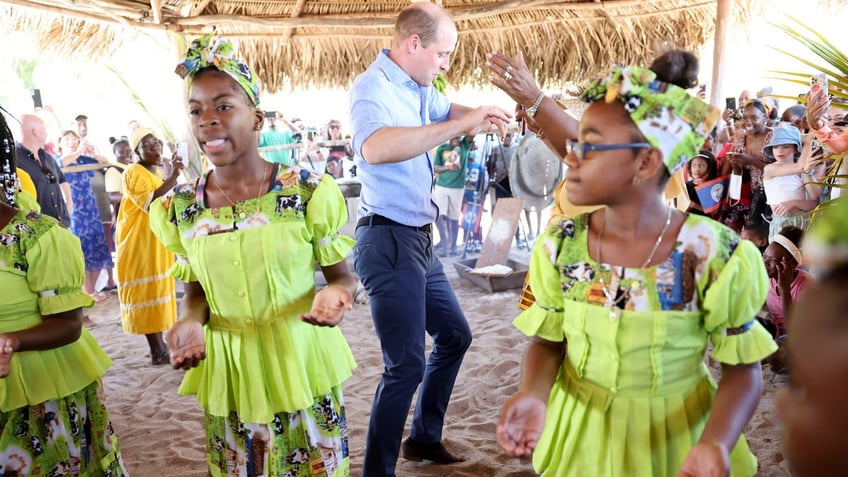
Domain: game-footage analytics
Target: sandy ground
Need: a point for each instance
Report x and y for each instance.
(161, 433)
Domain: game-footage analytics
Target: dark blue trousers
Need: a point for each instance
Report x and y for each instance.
(409, 295)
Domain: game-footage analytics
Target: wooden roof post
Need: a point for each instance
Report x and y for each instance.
(724, 23)
(195, 166)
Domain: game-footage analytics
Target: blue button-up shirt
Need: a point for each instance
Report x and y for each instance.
(385, 96)
(49, 194)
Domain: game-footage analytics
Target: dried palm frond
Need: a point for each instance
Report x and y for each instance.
(328, 42)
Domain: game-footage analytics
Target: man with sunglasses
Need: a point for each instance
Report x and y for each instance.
(53, 191)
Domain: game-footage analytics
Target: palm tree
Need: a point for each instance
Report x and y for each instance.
(833, 63)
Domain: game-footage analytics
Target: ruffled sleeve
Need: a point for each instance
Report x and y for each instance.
(163, 223)
(139, 185)
(731, 302)
(56, 271)
(326, 213)
(544, 317)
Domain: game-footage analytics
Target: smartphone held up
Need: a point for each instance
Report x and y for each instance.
(818, 83)
(182, 150)
(730, 103)
(36, 99)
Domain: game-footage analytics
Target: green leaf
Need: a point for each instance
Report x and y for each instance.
(829, 72)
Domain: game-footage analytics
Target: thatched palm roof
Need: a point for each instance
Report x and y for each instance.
(328, 42)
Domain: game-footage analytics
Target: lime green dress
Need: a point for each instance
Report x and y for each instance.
(265, 369)
(52, 417)
(633, 393)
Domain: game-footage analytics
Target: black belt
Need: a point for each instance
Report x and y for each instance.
(373, 220)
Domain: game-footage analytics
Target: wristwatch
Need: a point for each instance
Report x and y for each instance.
(531, 111)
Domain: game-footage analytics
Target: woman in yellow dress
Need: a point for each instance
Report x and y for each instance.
(145, 288)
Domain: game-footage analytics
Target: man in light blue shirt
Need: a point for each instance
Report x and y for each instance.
(398, 117)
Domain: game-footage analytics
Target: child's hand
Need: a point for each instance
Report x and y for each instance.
(520, 424)
(187, 344)
(706, 460)
(788, 207)
(329, 306)
(785, 275)
(8, 344)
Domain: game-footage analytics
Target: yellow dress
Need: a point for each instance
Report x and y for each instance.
(145, 288)
(26, 183)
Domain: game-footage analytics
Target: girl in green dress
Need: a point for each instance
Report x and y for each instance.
(263, 353)
(629, 296)
(52, 417)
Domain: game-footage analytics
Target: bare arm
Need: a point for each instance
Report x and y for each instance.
(556, 124)
(171, 182)
(330, 304)
(186, 338)
(194, 306)
(66, 193)
(736, 399)
(54, 331)
(398, 144)
(817, 106)
(70, 159)
(522, 418)
(779, 170)
(288, 124)
(540, 367)
(458, 111)
(339, 275)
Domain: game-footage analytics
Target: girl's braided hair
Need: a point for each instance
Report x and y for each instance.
(8, 164)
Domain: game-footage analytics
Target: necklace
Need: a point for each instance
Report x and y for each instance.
(242, 214)
(613, 295)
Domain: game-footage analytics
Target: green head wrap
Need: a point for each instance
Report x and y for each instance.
(219, 53)
(671, 119)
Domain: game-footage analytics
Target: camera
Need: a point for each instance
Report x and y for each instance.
(311, 134)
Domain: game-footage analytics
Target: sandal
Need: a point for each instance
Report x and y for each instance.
(161, 358)
(99, 297)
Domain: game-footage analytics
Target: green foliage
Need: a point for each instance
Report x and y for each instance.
(25, 69)
(441, 84)
(834, 63)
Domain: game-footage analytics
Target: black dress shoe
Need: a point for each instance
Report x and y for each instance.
(434, 452)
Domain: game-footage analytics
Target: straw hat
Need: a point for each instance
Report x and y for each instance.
(138, 135)
(534, 172)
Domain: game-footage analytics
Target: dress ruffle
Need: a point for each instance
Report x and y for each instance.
(536, 321)
(333, 249)
(590, 431)
(64, 301)
(263, 370)
(38, 376)
(732, 301)
(181, 270)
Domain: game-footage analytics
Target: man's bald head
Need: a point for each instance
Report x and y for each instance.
(33, 131)
(422, 19)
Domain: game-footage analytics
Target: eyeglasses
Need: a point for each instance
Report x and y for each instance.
(48, 174)
(580, 149)
(335, 126)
